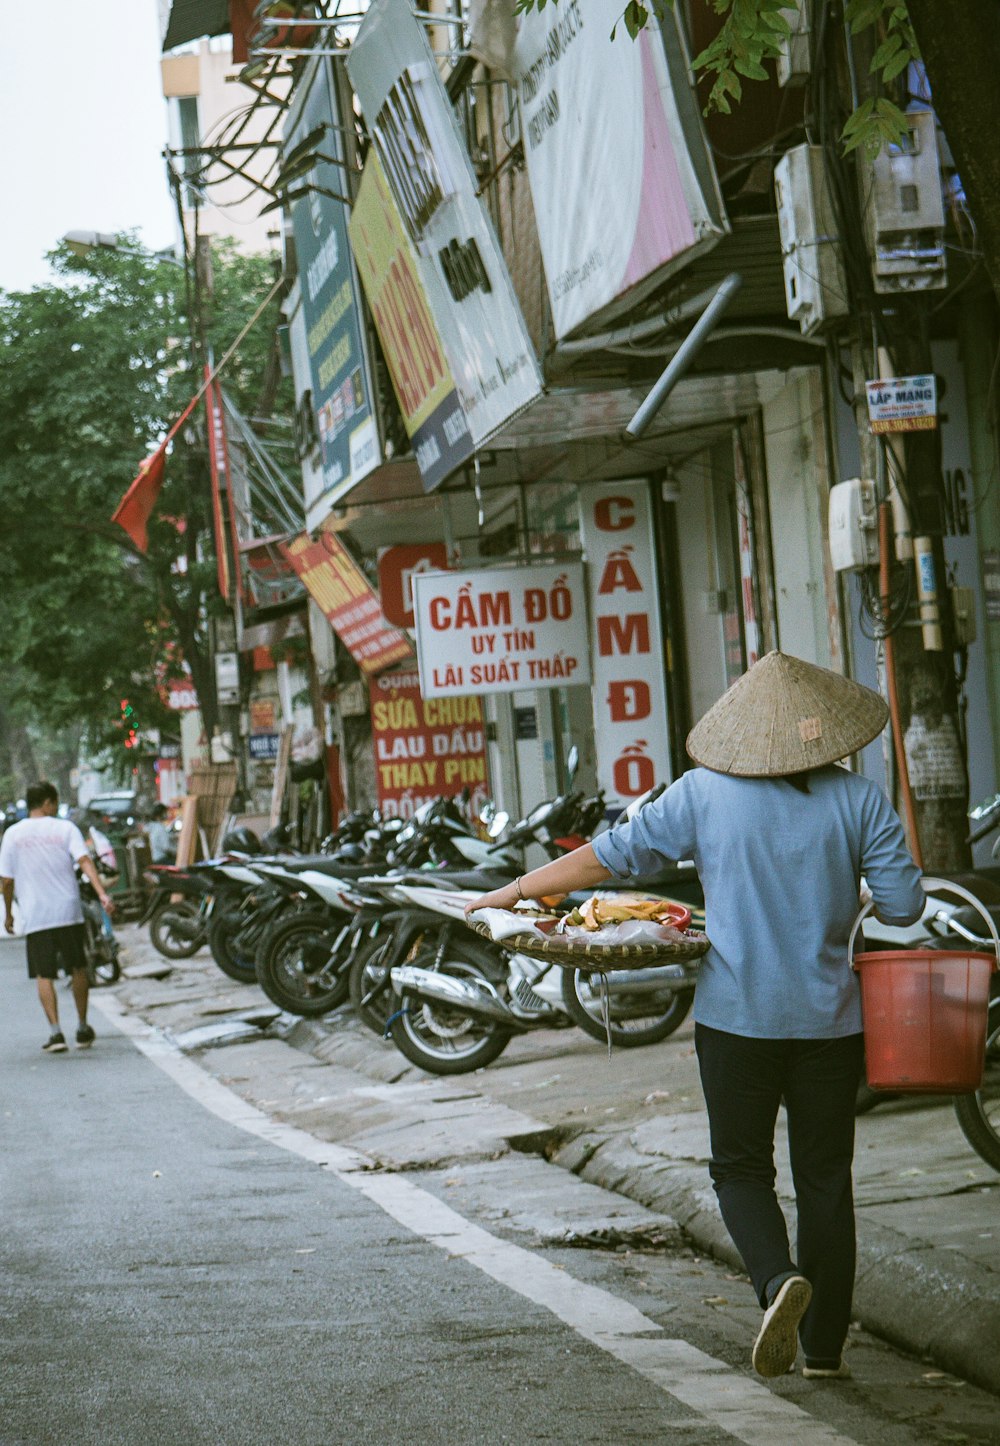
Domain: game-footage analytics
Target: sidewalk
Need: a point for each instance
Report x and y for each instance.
(928, 1207)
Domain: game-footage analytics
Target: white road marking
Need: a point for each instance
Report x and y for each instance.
(735, 1403)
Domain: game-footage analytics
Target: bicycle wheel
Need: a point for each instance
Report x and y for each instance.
(979, 1114)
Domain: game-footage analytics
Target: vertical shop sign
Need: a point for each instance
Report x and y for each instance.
(348, 601)
(630, 707)
(431, 179)
(414, 352)
(341, 389)
(397, 567)
(425, 747)
(501, 630)
(612, 131)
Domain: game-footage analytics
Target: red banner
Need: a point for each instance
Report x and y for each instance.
(219, 473)
(349, 602)
(425, 747)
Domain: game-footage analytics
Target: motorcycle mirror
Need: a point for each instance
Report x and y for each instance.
(498, 823)
(572, 763)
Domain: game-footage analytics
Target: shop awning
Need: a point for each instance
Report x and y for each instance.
(193, 19)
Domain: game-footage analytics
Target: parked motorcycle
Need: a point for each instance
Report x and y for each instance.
(462, 1003)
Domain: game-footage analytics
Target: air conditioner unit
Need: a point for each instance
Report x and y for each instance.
(815, 284)
(853, 525)
(904, 210)
(794, 64)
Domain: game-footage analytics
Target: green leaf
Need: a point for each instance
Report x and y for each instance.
(885, 52)
(752, 69)
(896, 66)
(635, 17)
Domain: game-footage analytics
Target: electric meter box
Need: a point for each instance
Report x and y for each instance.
(853, 525)
(904, 210)
(815, 284)
(793, 64)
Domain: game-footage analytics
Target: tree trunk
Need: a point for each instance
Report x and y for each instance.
(17, 753)
(960, 44)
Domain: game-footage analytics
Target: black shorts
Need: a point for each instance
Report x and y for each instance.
(50, 950)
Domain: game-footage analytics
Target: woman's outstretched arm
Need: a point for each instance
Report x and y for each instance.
(578, 870)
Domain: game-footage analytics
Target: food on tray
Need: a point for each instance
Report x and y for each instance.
(598, 913)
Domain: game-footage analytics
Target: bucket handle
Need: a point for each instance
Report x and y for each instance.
(930, 886)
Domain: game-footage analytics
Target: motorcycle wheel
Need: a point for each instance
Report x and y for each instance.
(294, 962)
(441, 1039)
(582, 999)
(979, 1114)
(162, 936)
(366, 974)
(222, 941)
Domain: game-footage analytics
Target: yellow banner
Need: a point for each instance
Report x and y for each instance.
(420, 373)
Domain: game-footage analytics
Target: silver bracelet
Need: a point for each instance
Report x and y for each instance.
(517, 885)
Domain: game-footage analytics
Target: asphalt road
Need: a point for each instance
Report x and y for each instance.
(169, 1274)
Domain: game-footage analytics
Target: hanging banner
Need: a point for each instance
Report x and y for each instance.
(219, 479)
(341, 387)
(429, 174)
(414, 352)
(612, 130)
(501, 630)
(348, 601)
(425, 747)
(627, 660)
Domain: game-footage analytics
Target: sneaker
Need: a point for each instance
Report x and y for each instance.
(841, 1372)
(778, 1340)
(85, 1036)
(55, 1044)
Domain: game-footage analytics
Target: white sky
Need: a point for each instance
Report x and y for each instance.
(83, 123)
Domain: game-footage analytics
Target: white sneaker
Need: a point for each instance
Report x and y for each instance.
(777, 1341)
(826, 1373)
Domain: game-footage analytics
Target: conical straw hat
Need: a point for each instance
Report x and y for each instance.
(786, 716)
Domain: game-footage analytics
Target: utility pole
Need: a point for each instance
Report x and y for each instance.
(931, 767)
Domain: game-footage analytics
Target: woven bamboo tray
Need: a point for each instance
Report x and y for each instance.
(591, 957)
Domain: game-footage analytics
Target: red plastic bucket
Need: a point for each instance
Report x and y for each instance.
(925, 1014)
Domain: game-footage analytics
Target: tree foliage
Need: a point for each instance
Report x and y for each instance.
(93, 369)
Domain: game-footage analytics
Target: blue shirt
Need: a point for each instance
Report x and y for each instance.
(781, 872)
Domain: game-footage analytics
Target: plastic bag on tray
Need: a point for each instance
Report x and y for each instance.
(629, 931)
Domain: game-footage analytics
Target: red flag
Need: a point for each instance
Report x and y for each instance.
(134, 510)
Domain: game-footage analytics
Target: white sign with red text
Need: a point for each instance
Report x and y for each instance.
(627, 661)
(501, 630)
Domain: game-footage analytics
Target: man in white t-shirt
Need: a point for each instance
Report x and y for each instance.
(38, 861)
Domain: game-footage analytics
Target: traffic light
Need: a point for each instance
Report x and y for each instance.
(126, 722)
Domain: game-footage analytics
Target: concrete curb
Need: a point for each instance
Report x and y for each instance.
(923, 1298)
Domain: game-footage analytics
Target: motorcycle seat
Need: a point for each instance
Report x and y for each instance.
(984, 883)
(326, 865)
(482, 880)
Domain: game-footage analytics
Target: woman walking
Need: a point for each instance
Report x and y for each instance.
(780, 837)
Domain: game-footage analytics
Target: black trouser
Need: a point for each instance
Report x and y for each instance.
(744, 1081)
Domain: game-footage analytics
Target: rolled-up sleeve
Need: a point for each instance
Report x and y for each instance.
(889, 870)
(660, 833)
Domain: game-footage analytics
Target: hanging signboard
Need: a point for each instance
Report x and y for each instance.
(429, 174)
(501, 630)
(341, 389)
(902, 404)
(348, 601)
(414, 352)
(630, 706)
(425, 747)
(611, 131)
